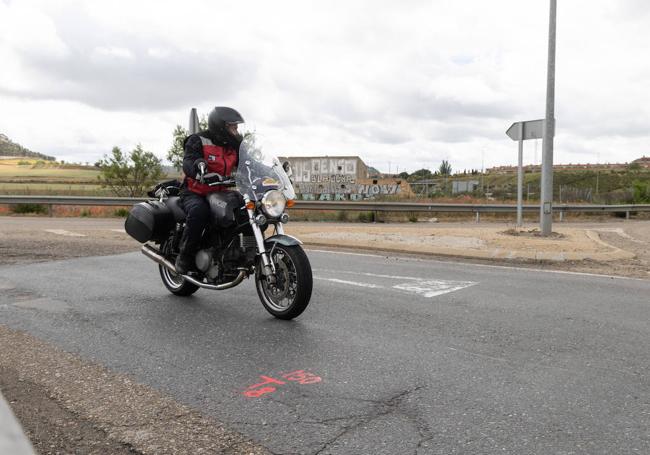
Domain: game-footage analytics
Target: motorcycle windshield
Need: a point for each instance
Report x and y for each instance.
(260, 171)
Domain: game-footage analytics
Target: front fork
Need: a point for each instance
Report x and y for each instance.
(268, 268)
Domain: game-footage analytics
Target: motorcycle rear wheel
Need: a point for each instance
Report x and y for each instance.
(174, 282)
(289, 296)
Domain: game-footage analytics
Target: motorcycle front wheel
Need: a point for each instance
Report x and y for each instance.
(288, 295)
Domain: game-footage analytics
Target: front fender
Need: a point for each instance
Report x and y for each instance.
(285, 240)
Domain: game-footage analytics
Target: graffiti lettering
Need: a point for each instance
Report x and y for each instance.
(268, 384)
(344, 191)
(334, 178)
(257, 390)
(302, 377)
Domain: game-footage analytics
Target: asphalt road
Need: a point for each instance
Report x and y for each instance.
(393, 356)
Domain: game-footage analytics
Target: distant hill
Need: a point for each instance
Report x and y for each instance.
(10, 148)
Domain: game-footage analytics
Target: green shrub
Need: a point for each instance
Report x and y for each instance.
(341, 215)
(366, 217)
(85, 213)
(23, 163)
(641, 192)
(29, 208)
(413, 218)
(121, 212)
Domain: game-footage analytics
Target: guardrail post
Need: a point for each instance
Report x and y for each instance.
(561, 216)
(478, 216)
(627, 215)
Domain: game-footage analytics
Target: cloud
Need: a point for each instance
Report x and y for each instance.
(115, 78)
(386, 81)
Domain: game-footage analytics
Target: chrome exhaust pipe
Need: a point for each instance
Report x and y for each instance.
(154, 255)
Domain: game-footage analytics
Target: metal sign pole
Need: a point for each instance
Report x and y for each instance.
(546, 206)
(523, 131)
(520, 176)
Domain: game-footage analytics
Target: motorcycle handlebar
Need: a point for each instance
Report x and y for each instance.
(229, 182)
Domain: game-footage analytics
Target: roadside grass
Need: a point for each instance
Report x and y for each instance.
(53, 189)
(23, 209)
(64, 211)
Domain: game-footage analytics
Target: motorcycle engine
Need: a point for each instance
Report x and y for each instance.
(206, 264)
(203, 259)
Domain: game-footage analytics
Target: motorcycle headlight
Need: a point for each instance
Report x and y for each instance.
(273, 203)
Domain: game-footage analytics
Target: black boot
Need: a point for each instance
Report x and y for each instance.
(184, 264)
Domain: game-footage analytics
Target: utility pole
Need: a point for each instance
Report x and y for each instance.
(520, 177)
(546, 206)
(597, 172)
(482, 169)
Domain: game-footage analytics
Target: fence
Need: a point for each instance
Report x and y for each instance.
(369, 206)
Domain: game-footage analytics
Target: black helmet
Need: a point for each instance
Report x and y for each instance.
(220, 117)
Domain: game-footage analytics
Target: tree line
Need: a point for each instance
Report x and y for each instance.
(130, 174)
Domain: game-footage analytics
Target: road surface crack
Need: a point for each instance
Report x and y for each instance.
(384, 407)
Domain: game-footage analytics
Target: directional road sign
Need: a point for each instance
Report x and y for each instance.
(533, 129)
(521, 131)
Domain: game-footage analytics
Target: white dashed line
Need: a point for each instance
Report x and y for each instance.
(486, 266)
(64, 232)
(352, 283)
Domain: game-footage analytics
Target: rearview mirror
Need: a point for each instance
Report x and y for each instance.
(287, 168)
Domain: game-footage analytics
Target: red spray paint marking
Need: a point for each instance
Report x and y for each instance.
(268, 383)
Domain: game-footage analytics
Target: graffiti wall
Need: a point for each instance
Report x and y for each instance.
(345, 188)
(340, 178)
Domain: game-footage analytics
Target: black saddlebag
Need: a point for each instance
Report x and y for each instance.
(151, 220)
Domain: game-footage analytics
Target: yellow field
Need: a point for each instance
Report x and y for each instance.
(45, 172)
(34, 177)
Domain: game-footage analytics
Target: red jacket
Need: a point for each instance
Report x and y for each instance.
(220, 159)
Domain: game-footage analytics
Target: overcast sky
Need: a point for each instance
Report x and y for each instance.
(401, 84)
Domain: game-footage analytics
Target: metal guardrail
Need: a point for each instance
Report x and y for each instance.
(70, 200)
(364, 206)
(471, 208)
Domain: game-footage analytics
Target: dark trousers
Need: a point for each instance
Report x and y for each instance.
(197, 210)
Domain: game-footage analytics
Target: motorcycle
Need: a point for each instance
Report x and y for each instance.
(245, 237)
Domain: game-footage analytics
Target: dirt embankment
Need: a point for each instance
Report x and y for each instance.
(610, 248)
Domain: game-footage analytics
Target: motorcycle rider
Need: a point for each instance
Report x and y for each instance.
(217, 149)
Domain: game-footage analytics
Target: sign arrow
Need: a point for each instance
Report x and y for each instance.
(533, 129)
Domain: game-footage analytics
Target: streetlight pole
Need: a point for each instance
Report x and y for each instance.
(546, 206)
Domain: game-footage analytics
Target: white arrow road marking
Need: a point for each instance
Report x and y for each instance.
(432, 288)
(425, 287)
(64, 232)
